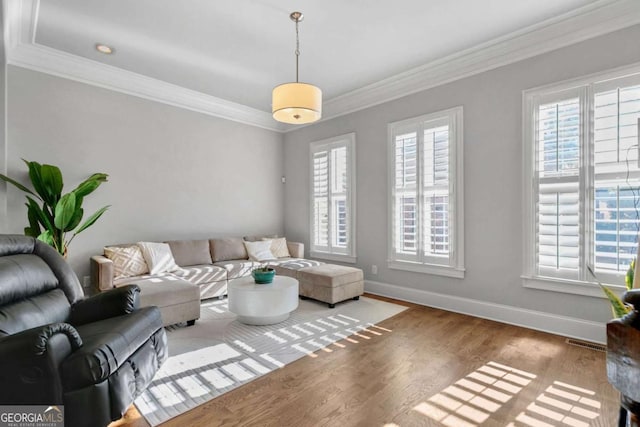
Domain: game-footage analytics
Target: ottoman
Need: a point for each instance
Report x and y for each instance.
(331, 283)
(178, 300)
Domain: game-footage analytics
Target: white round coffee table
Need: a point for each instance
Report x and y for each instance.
(263, 304)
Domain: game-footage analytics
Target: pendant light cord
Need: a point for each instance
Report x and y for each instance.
(297, 49)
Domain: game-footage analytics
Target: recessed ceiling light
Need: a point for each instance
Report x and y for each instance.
(103, 48)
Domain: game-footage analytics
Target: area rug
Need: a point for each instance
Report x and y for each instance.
(219, 353)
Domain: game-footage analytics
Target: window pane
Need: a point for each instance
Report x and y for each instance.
(407, 224)
(558, 242)
(616, 227)
(340, 223)
(321, 222)
(558, 138)
(616, 114)
(406, 152)
(436, 156)
(339, 170)
(436, 225)
(320, 173)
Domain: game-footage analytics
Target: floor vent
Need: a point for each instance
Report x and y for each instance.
(585, 344)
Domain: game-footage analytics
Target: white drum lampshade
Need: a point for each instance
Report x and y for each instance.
(297, 103)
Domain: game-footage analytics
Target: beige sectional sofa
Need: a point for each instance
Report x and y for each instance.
(206, 269)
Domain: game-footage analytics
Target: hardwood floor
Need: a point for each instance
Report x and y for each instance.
(401, 374)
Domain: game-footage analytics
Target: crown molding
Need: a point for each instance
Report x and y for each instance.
(24, 52)
(601, 17)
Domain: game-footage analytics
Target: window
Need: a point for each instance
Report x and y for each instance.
(425, 230)
(332, 200)
(582, 183)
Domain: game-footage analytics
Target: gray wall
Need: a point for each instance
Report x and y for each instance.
(493, 175)
(173, 173)
(3, 128)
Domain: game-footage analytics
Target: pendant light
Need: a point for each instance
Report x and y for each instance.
(297, 103)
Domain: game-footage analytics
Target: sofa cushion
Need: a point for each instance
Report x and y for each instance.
(151, 278)
(279, 247)
(290, 266)
(227, 249)
(257, 238)
(201, 274)
(107, 344)
(259, 251)
(190, 252)
(238, 268)
(127, 261)
(158, 257)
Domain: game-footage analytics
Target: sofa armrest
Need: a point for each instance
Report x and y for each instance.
(102, 272)
(296, 249)
(116, 302)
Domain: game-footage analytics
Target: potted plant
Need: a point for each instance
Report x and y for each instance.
(263, 274)
(618, 306)
(52, 215)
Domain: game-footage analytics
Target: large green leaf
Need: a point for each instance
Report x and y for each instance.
(17, 184)
(77, 217)
(89, 185)
(35, 176)
(38, 213)
(47, 237)
(52, 181)
(34, 225)
(92, 219)
(618, 307)
(65, 210)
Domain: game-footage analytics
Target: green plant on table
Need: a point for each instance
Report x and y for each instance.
(618, 306)
(51, 214)
(263, 268)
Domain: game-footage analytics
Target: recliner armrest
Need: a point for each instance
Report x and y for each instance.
(34, 341)
(116, 302)
(30, 361)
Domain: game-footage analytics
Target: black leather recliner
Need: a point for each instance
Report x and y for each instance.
(94, 355)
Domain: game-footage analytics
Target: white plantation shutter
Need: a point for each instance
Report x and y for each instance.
(616, 176)
(423, 171)
(436, 191)
(321, 199)
(332, 186)
(558, 130)
(406, 195)
(582, 184)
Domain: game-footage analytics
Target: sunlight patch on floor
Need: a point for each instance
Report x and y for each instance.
(561, 404)
(471, 400)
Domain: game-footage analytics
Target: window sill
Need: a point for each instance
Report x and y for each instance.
(334, 257)
(564, 286)
(438, 270)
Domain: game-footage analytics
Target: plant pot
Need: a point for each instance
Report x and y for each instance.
(263, 277)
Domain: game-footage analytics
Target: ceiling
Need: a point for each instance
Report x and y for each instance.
(235, 52)
(239, 50)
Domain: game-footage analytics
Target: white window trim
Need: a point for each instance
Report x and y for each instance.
(327, 144)
(456, 192)
(588, 85)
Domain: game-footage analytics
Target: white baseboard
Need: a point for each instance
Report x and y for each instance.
(538, 320)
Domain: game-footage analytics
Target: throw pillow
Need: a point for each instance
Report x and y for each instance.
(190, 252)
(260, 251)
(127, 261)
(227, 249)
(279, 247)
(158, 256)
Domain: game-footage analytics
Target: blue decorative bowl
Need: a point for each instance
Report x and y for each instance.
(263, 277)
